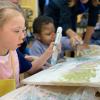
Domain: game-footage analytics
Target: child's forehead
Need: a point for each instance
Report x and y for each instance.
(47, 25)
(12, 12)
(15, 23)
(10, 15)
(14, 1)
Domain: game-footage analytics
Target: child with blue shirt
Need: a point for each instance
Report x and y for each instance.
(43, 28)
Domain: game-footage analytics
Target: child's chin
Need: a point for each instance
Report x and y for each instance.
(14, 48)
(18, 45)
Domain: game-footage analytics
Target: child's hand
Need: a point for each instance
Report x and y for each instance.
(75, 40)
(84, 46)
(49, 50)
(30, 58)
(59, 48)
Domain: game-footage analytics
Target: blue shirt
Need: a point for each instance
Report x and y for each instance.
(38, 48)
(23, 63)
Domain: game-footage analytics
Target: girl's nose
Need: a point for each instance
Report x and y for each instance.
(22, 35)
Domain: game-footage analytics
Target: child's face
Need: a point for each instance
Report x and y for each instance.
(46, 33)
(12, 33)
(84, 1)
(14, 1)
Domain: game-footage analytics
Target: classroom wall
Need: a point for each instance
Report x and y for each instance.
(31, 9)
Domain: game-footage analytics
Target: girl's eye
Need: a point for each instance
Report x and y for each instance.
(24, 30)
(17, 31)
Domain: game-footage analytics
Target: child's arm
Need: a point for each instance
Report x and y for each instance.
(38, 63)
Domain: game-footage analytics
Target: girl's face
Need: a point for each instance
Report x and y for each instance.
(84, 1)
(12, 33)
(46, 33)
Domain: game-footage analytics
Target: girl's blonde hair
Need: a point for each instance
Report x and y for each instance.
(73, 2)
(4, 5)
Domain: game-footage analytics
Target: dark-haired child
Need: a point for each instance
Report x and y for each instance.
(43, 28)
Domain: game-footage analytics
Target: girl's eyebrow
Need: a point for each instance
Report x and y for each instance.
(19, 27)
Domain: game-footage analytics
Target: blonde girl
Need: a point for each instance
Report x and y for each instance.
(12, 34)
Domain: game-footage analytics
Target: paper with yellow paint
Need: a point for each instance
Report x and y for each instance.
(7, 86)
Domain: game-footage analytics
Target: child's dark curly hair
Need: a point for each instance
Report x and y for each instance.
(39, 22)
